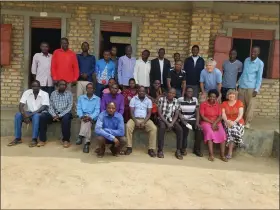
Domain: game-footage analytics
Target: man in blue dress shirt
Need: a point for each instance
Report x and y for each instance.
(88, 109)
(86, 69)
(250, 84)
(104, 70)
(109, 129)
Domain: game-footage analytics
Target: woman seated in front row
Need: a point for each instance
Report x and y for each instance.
(212, 128)
(232, 113)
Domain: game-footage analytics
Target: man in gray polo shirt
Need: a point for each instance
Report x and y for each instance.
(232, 69)
(210, 78)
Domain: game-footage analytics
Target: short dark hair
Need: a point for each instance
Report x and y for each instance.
(172, 89)
(114, 46)
(176, 53)
(65, 39)
(89, 84)
(189, 87)
(85, 43)
(131, 79)
(161, 49)
(62, 80)
(128, 46)
(141, 86)
(46, 43)
(195, 46)
(233, 49)
(36, 81)
(257, 47)
(111, 102)
(213, 91)
(146, 51)
(112, 79)
(108, 51)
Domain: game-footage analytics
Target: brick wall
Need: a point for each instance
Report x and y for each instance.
(175, 30)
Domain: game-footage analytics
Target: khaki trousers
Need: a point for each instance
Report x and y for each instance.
(245, 95)
(149, 127)
(81, 88)
(85, 131)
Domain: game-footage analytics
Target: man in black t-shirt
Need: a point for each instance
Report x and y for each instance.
(177, 79)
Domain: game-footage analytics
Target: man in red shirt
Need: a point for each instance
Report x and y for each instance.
(64, 64)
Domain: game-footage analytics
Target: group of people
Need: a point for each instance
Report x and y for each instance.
(120, 95)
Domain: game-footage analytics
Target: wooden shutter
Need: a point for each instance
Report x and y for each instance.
(256, 34)
(46, 23)
(222, 46)
(6, 34)
(275, 61)
(124, 27)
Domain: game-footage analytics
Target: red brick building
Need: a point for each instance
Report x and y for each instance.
(176, 26)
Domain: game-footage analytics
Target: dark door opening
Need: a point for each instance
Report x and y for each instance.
(106, 44)
(38, 35)
(244, 47)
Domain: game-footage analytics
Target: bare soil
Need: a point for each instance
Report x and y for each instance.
(58, 178)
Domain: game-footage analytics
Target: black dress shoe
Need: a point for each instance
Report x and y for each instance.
(184, 152)
(86, 148)
(160, 154)
(197, 153)
(152, 153)
(128, 151)
(178, 155)
(79, 140)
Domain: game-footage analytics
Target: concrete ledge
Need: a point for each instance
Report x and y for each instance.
(261, 142)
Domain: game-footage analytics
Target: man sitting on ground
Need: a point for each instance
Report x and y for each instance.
(36, 101)
(109, 129)
(141, 109)
(60, 110)
(88, 109)
(115, 97)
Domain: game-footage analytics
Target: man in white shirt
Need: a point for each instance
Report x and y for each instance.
(142, 70)
(36, 101)
(41, 68)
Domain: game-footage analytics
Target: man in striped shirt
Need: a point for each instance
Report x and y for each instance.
(189, 117)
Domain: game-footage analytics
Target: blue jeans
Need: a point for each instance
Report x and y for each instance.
(99, 88)
(35, 125)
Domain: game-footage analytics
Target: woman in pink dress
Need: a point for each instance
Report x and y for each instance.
(111, 82)
(128, 94)
(213, 131)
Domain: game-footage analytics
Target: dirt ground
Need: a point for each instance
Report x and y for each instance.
(53, 177)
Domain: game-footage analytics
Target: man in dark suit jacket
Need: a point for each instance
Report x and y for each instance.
(193, 66)
(160, 68)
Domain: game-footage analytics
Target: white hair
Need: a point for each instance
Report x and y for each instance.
(211, 62)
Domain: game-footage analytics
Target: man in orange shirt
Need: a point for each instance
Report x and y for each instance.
(64, 64)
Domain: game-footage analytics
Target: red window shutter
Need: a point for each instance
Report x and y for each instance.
(6, 34)
(46, 23)
(124, 27)
(275, 61)
(263, 34)
(241, 33)
(223, 45)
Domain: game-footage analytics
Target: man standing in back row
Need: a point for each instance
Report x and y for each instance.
(41, 68)
(126, 65)
(87, 67)
(160, 68)
(250, 83)
(232, 69)
(193, 66)
(64, 64)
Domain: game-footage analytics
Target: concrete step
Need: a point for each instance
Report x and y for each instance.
(260, 142)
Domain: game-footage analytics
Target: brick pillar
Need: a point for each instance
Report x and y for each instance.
(201, 19)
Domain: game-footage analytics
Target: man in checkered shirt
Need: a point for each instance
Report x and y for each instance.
(61, 102)
(168, 111)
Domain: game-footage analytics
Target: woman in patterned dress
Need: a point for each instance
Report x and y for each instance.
(232, 113)
(128, 94)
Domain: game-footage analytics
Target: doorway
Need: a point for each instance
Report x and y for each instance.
(114, 33)
(107, 42)
(244, 48)
(42, 31)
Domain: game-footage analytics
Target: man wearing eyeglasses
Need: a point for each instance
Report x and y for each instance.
(59, 111)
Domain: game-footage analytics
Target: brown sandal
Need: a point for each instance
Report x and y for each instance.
(15, 142)
(66, 144)
(41, 144)
(223, 158)
(211, 158)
